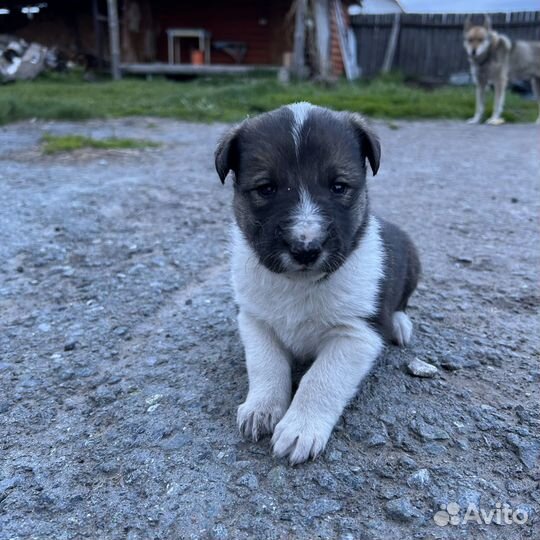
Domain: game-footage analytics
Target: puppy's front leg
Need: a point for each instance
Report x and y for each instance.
(269, 375)
(344, 359)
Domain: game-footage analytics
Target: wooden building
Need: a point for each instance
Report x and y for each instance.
(238, 34)
(252, 32)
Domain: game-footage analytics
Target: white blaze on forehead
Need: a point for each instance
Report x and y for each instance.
(301, 112)
(307, 220)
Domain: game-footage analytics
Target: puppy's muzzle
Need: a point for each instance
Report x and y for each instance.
(305, 254)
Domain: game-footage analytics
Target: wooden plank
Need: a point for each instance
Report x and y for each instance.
(193, 69)
(114, 39)
(321, 11)
(351, 71)
(299, 47)
(392, 43)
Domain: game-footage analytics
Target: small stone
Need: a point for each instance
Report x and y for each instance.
(469, 497)
(68, 271)
(248, 480)
(377, 439)
(419, 479)
(419, 368)
(151, 361)
(44, 327)
(354, 480)
(427, 432)
(402, 510)
(322, 507)
(153, 399)
(9, 483)
(388, 493)
(104, 396)
(335, 455)
(278, 476)
(243, 464)
(435, 449)
(453, 363)
(219, 532)
(108, 467)
(407, 462)
(326, 480)
(463, 444)
(120, 330)
(70, 346)
(527, 451)
(385, 471)
(175, 442)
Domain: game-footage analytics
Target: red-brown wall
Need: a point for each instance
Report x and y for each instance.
(261, 24)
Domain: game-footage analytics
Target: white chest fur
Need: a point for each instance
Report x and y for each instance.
(302, 310)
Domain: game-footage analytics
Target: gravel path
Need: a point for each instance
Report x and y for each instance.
(121, 367)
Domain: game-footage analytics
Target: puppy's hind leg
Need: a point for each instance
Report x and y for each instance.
(402, 328)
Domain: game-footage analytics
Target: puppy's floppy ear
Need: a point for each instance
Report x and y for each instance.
(369, 142)
(487, 22)
(467, 25)
(226, 154)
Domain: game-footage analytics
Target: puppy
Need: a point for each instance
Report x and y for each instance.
(316, 276)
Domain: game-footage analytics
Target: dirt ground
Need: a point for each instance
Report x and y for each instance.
(121, 366)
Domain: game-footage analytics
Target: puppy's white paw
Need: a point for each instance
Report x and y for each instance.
(402, 328)
(495, 121)
(300, 437)
(258, 418)
(474, 120)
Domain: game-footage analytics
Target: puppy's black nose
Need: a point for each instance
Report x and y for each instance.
(305, 254)
(473, 52)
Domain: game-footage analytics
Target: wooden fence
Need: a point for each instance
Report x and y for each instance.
(430, 46)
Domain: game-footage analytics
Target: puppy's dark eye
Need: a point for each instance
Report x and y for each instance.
(266, 190)
(339, 188)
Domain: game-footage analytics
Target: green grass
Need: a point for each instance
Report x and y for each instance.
(231, 99)
(67, 143)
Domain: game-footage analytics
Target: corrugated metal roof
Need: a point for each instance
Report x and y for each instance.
(448, 6)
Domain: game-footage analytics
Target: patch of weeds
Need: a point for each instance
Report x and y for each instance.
(53, 144)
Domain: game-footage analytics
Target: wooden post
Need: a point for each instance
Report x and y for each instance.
(392, 43)
(97, 33)
(298, 63)
(114, 38)
(321, 11)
